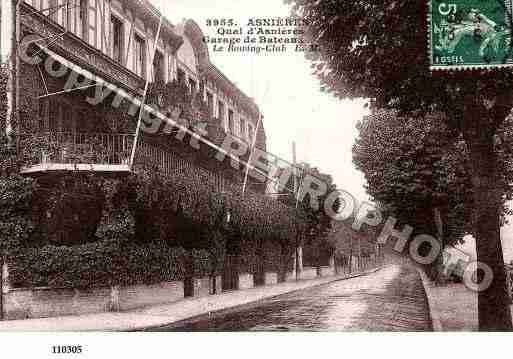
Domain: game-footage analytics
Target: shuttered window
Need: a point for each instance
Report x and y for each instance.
(93, 22)
(116, 30)
(139, 56)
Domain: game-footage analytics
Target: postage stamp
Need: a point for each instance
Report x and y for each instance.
(466, 34)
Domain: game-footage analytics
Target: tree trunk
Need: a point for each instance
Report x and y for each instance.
(350, 254)
(493, 303)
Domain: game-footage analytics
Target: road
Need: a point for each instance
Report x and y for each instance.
(392, 299)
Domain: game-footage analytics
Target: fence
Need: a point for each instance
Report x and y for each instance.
(83, 148)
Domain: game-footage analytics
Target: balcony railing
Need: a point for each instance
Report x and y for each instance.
(79, 151)
(102, 152)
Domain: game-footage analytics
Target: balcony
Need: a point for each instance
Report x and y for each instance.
(75, 151)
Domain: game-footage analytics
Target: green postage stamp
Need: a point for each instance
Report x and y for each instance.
(467, 34)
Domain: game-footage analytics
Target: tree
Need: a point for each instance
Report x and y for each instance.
(317, 223)
(378, 50)
(413, 166)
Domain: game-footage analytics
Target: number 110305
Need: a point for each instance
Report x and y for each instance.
(67, 349)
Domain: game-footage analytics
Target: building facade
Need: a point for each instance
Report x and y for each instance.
(110, 43)
(82, 71)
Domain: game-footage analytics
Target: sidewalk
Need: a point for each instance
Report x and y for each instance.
(452, 306)
(161, 315)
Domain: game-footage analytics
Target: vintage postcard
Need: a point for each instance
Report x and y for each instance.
(254, 166)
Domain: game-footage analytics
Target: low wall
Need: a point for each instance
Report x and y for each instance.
(46, 302)
(309, 273)
(271, 278)
(138, 296)
(327, 271)
(52, 302)
(203, 287)
(246, 281)
(290, 277)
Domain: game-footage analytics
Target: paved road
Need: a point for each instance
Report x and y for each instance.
(392, 299)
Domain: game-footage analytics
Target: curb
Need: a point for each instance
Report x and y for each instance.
(236, 307)
(435, 320)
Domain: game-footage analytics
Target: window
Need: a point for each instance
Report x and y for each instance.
(210, 104)
(231, 122)
(37, 4)
(250, 132)
(60, 117)
(243, 128)
(53, 9)
(117, 39)
(181, 76)
(43, 114)
(220, 107)
(139, 55)
(67, 120)
(92, 22)
(192, 86)
(158, 67)
(69, 13)
(82, 15)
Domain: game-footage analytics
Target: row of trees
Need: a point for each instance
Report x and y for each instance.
(377, 50)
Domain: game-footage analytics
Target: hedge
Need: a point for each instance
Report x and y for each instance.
(100, 264)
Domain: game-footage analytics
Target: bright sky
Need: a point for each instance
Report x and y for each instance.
(286, 92)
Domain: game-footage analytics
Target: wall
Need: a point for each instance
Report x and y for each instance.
(246, 281)
(271, 278)
(202, 287)
(145, 295)
(47, 302)
(50, 302)
(309, 273)
(290, 277)
(327, 271)
(43, 303)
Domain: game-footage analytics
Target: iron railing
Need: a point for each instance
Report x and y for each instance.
(84, 148)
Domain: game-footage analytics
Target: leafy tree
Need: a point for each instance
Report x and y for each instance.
(378, 50)
(318, 224)
(412, 167)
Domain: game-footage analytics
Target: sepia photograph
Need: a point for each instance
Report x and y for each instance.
(273, 167)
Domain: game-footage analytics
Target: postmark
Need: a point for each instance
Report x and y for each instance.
(467, 34)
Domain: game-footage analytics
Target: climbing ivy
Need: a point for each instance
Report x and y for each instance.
(141, 229)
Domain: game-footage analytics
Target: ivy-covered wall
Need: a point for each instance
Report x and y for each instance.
(85, 230)
(141, 229)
